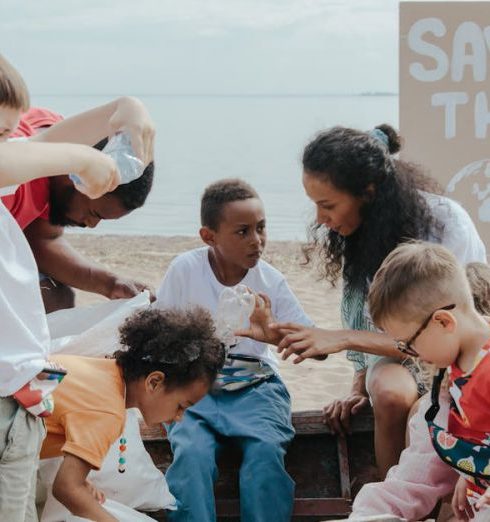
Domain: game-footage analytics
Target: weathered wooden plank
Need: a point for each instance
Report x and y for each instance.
(321, 463)
(304, 422)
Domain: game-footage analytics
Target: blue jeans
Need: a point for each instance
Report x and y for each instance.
(258, 419)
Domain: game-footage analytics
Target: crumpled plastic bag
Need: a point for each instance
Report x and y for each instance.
(92, 331)
(120, 512)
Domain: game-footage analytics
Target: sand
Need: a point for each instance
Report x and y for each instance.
(312, 384)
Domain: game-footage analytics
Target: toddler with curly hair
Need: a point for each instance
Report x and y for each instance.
(167, 363)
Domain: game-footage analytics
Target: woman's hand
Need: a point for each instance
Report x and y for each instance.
(337, 414)
(460, 504)
(309, 343)
(132, 116)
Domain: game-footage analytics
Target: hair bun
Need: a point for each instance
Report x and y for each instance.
(394, 140)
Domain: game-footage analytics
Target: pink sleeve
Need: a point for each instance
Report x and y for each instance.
(413, 487)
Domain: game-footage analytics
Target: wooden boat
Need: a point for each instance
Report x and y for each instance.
(328, 469)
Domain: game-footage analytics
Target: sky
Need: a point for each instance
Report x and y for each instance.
(210, 47)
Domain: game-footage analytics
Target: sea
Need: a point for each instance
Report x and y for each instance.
(258, 138)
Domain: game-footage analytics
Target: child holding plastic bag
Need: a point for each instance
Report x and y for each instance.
(168, 363)
(249, 407)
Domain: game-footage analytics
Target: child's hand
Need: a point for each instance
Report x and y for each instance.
(484, 500)
(96, 493)
(98, 173)
(260, 320)
(132, 116)
(461, 507)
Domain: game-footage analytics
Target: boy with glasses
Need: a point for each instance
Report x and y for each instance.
(421, 296)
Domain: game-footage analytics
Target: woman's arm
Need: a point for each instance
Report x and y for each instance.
(305, 342)
(71, 488)
(123, 114)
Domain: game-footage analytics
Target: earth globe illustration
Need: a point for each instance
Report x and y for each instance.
(472, 182)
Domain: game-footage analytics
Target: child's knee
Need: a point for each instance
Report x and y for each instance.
(392, 389)
(264, 453)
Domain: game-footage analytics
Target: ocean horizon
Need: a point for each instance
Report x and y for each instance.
(258, 137)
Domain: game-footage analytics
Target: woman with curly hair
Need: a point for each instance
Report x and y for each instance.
(168, 361)
(367, 203)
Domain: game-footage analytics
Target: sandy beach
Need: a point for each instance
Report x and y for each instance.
(145, 258)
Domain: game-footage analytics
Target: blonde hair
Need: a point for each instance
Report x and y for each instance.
(13, 90)
(414, 280)
(478, 275)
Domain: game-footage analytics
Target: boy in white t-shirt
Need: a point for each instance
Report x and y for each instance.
(257, 418)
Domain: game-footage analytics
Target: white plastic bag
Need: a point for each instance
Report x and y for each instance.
(93, 330)
(120, 512)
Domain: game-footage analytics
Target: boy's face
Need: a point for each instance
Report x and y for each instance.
(69, 207)
(9, 120)
(241, 237)
(437, 343)
(160, 404)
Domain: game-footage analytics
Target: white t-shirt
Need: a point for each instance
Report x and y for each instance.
(459, 234)
(190, 281)
(24, 335)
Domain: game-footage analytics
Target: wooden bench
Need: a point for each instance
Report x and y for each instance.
(328, 469)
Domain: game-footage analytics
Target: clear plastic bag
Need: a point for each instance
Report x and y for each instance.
(235, 306)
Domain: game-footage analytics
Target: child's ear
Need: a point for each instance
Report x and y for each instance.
(154, 380)
(207, 235)
(446, 319)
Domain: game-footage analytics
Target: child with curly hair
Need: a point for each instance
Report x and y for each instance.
(168, 362)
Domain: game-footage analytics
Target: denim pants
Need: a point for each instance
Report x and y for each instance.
(21, 435)
(258, 420)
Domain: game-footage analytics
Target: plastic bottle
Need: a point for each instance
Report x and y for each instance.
(235, 306)
(120, 150)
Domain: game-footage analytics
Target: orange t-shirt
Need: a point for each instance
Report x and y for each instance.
(89, 409)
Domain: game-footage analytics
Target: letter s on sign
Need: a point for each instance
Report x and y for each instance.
(420, 46)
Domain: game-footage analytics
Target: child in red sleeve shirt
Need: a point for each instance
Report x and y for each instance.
(421, 297)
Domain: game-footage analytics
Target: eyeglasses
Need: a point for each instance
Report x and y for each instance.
(406, 346)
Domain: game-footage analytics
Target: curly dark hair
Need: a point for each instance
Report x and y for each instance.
(179, 343)
(394, 211)
(218, 194)
(133, 195)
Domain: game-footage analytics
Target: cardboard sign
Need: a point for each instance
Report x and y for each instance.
(445, 99)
